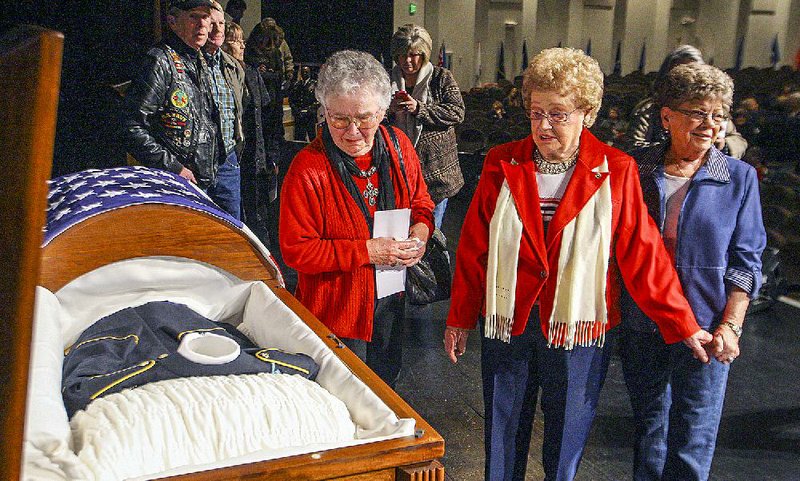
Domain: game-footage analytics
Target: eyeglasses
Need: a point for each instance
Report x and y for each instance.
(701, 115)
(238, 40)
(365, 121)
(553, 117)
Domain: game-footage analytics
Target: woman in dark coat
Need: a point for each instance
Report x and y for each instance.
(259, 172)
(427, 105)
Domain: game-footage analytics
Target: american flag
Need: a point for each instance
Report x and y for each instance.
(76, 197)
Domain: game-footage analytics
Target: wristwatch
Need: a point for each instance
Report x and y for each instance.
(737, 329)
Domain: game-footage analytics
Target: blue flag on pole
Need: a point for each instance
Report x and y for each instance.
(589, 47)
(643, 57)
(618, 59)
(501, 64)
(775, 55)
(739, 54)
(524, 56)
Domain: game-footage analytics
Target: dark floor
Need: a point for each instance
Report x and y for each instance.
(759, 436)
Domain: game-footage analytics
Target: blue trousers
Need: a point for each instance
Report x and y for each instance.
(570, 383)
(438, 213)
(226, 192)
(677, 406)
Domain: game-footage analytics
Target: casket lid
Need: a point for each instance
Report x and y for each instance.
(30, 59)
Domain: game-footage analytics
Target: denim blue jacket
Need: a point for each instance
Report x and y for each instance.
(720, 232)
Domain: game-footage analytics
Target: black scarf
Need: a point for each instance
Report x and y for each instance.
(347, 168)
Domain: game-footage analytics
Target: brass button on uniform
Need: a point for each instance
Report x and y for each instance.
(543, 274)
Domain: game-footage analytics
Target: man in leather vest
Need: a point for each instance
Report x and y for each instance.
(170, 119)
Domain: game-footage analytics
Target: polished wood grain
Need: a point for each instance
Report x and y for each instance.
(430, 471)
(150, 230)
(30, 62)
(385, 475)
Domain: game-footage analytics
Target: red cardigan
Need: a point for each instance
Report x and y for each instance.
(323, 235)
(638, 255)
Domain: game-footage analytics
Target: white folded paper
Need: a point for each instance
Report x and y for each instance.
(394, 224)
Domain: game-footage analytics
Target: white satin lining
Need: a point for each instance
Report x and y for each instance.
(211, 292)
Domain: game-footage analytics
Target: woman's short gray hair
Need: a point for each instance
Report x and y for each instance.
(570, 72)
(349, 71)
(695, 81)
(411, 37)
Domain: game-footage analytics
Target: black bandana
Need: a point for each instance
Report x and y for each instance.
(347, 168)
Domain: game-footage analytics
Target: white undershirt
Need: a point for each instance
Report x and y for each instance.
(675, 189)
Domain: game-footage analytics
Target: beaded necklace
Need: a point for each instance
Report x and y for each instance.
(544, 166)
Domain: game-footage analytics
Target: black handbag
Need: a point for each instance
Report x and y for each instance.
(429, 280)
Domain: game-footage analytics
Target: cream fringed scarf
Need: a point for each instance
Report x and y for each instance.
(580, 301)
(505, 233)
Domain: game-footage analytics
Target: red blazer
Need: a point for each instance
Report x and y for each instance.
(637, 255)
(323, 235)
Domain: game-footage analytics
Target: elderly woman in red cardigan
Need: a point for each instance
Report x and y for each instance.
(334, 186)
(556, 224)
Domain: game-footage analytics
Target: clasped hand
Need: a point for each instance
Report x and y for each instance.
(723, 345)
(384, 251)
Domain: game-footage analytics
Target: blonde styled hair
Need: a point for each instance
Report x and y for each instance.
(410, 38)
(232, 29)
(570, 73)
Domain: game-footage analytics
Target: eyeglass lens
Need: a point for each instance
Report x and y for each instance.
(701, 115)
(362, 121)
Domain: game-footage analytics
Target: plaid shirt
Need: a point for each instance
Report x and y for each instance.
(223, 96)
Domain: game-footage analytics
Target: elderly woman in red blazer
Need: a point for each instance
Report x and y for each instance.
(556, 224)
(334, 186)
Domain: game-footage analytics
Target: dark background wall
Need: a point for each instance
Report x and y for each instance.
(316, 29)
(103, 40)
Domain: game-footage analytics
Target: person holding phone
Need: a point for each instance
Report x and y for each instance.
(427, 105)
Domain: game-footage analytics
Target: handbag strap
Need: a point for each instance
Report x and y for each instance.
(396, 143)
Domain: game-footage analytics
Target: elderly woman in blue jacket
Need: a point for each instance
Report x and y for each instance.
(707, 206)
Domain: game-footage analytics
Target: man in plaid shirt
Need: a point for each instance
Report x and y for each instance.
(227, 84)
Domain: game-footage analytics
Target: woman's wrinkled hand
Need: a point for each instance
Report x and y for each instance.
(725, 346)
(384, 251)
(455, 342)
(418, 232)
(696, 343)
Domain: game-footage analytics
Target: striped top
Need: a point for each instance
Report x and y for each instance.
(551, 190)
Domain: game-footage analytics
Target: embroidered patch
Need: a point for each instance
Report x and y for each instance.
(176, 60)
(173, 120)
(179, 98)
